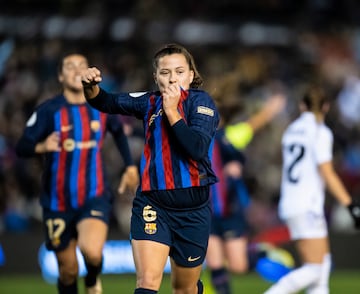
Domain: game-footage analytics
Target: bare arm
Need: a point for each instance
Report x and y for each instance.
(334, 183)
(273, 106)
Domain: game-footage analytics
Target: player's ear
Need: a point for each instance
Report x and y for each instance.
(60, 78)
(192, 75)
(155, 79)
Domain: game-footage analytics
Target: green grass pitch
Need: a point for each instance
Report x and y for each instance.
(341, 282)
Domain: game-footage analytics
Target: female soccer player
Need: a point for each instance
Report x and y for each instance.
(307, 170)
(171, 211)
(76, 200)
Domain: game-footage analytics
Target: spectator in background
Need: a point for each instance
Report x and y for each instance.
(307, 170)
(76, 200)
(171, 211)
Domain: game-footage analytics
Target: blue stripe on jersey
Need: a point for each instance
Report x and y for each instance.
(159, 163)
(218, 206)
(142, 164)
(146, 126)
(55, 166)
(92, 181)
(211, 147)
(242, 193)
(185, 175)
(74, 168)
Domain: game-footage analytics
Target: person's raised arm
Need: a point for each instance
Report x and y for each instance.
(90, 79)
(272, 107)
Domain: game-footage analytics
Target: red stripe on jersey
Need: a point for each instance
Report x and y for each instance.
(194, 173)
(99, 170)
(145, 179)
(166, 158)
(221, 185)
(84, 151)
(60, 174)
(193, 165)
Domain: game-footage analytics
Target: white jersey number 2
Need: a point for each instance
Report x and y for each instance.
(294, 154)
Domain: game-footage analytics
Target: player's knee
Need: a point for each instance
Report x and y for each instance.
(148, 280)
(239, 268)
(68, 274)
(92, 255)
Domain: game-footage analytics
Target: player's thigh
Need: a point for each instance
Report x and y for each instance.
(150, 258)
(92, 234)
(215, 252)
(236, 254)
(312, 250)
(184, 278)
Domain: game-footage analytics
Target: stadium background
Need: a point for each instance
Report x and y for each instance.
(264, 44)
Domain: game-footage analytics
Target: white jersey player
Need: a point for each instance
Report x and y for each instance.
(307, 170)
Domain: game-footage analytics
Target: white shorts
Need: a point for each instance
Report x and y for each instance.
(307, 226)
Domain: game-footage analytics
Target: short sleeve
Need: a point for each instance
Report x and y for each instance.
(324, 145)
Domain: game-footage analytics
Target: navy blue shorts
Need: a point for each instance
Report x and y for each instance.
(229, 227)
(186, 231)
(60, 227)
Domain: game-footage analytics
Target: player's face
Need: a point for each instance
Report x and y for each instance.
(70, 75)
(173, 70)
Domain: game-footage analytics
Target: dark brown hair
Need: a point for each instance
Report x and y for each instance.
(178, 49)
(315, 98)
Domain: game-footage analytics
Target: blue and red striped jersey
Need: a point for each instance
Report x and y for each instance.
(75, 173)
(172, 159)
(230, 194)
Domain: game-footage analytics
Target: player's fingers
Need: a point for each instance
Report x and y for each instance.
(122, 186)
(92, 74)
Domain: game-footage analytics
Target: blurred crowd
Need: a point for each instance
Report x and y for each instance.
(240, 74)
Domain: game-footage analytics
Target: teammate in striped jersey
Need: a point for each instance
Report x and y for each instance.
(171, 211)
(307, 170)
(228, 242)
(76, 199)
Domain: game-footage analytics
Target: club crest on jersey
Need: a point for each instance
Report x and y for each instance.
(150, 228)
(95, 125)
(205, 110)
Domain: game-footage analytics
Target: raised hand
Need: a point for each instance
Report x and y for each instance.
(171, 97)
(90, 79)
(91, 76)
